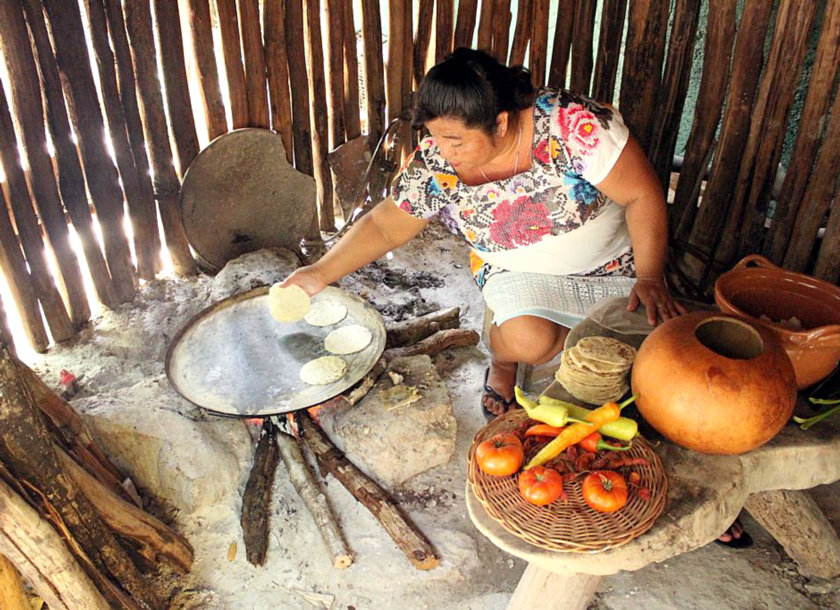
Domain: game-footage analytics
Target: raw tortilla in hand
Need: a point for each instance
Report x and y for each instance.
(348, 339)
(287, 304)
(325, 313)
(323, 370)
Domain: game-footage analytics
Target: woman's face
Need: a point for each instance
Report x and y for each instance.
(462, 146)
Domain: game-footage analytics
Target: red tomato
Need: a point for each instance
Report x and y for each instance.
(540, 485)
(604, 491)
(500, 455)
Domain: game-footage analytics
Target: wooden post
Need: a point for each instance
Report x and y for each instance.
(28, 108)
(422, 38)
(374, 72)
(277, 71)
(138, 20)
(394, 74)
(318, 95)
(71, 180)
(465, 23)
(205, 63)
(583, 33)
(234, 70)
(178, 103)
(408, 135)
(299, 85)
(746, 67)
(30, 234)
(83, 101)
(744, 230)
(501, 29)
(643, 52)
(131, 112)
(141, 202)
(443, 29)
(823, 75)
(720, 33)
(827, 267)
(562, 43)
(335, 61)
(521, 33)
(609, 49)
(539, 42)
(352, 111)
(671, 97)
(485, 26)
(249, 24)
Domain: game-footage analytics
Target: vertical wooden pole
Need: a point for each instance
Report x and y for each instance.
(299, 85)
(643, 53)
(720, 34)
(539, 42)
(443, 29)
(374, 71)
(826, 267)
(422, 38)
(501, 29)
(465, 23)
(138, 196)
(205, 63)
(671, 97)
(352, 111)
(102, 179)
(249, 25)
(178, 103)
(318, 95)
(234, 70)
(609, 49)
(28, 108)
(277, 70)
(583, 34)
(71, 180)
(521, 33)
(562, 43)
(485, 26)
(335, 61)
(138, 21)
(394, 73)
(823, 76)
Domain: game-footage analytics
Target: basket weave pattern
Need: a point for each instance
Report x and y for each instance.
(567, 525)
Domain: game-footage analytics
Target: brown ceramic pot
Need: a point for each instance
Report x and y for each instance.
(768, 290)
(715, 383)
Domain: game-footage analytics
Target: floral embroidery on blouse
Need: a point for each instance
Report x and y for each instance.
(576, 143)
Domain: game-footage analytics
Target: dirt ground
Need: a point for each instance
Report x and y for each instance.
(122, 360)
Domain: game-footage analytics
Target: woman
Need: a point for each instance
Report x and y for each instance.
(557, 200)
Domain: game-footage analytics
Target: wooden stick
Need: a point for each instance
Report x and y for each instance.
(178, 103)
(315, 500)
(409, 540)
(613, 14)
(40, 554)
(252, 46)
(277, 72)
(374, 73)
(465, 23)
(485, 26)
(443, 29)
(234, 70)
(299, 86)
(672, 94)
(138, 192)
(335, 61)
(413, 330)
(827, 267)
(394, 71)
(501, 29)
(102, 178)
(436, 343)
(521, 33)
(423, 37)
(562, 43)
(583, 33)
(539, 41)
(720, 28)
(27, 105)
(28, 230)
(205, 62)
(256, 501)
(352, 111)
(138, 20)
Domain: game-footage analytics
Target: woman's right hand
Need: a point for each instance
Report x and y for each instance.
(307, 278)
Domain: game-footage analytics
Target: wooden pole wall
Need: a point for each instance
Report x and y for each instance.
(319, 88)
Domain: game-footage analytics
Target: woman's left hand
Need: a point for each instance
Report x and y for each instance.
(653, 294)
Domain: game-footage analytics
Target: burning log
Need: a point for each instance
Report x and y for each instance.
(256, 500)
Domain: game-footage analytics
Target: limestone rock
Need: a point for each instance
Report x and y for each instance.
(188, 463)
(397, 431)
(261, 268)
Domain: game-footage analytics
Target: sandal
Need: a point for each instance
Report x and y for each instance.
(741, 542)
(488, 391)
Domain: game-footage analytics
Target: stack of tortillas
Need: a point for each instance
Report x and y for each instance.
(595, 369)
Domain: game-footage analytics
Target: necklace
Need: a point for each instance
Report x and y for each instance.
(516, 159)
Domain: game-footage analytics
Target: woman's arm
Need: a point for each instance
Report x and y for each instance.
(633, 184)
(385, 228)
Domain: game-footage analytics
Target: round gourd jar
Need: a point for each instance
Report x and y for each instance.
(714, 383)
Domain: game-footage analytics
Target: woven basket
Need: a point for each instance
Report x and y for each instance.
(568, 525)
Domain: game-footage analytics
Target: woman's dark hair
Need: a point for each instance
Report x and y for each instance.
(472, 86)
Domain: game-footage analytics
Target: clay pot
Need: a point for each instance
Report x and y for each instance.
(768, 290)
(715, 383)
